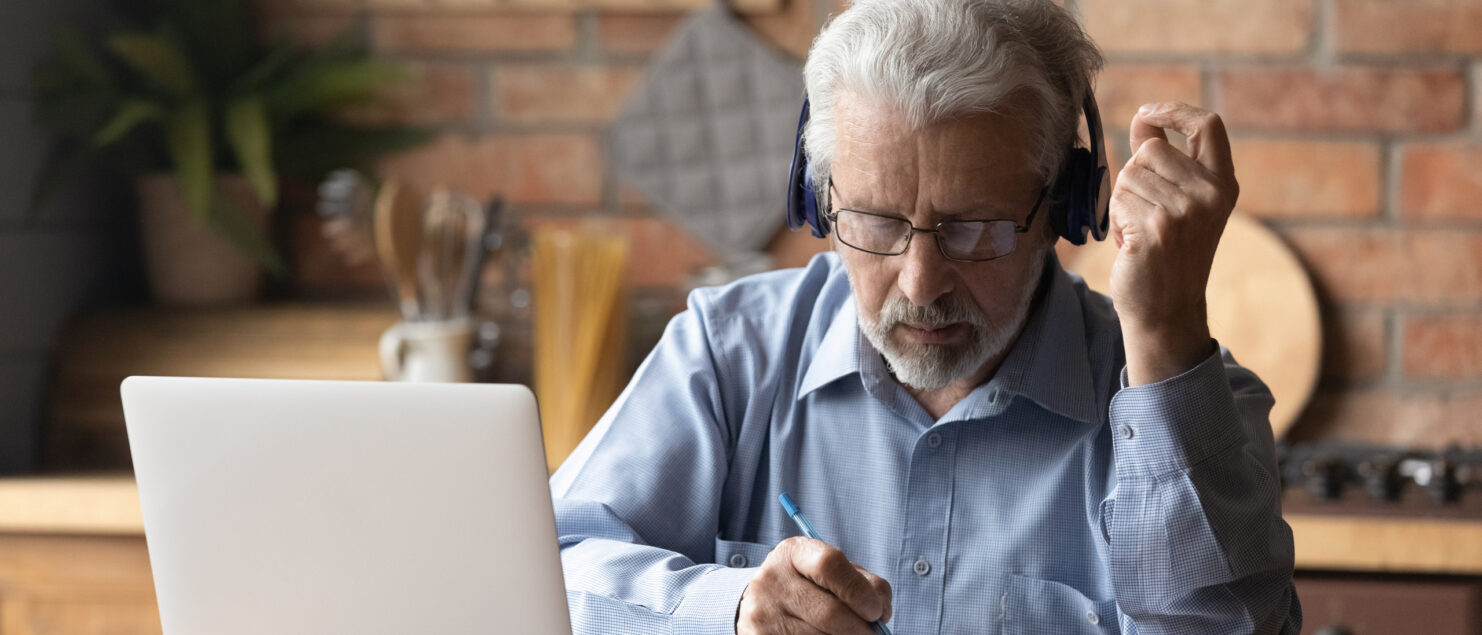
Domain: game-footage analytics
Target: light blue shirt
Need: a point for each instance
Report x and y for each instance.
(1053, 499)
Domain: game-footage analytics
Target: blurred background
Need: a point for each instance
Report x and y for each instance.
(213, 188)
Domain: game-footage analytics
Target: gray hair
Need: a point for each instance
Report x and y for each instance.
(936, 59)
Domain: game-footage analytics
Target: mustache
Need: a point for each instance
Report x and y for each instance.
(944, 311)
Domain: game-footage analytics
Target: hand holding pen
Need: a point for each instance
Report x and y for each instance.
(808, 586)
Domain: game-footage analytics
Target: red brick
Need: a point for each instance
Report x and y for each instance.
(1346, 99)
(473, 165)
(1259, 27)
(1307, 178)
(1408, 26)
(561, 94)
(440, 92)
(1443, 347)
(1354, 345)
(555, 168)
(1441, 181)
(1375, 265)
(1426, 420)
(660, 253)
(478, 33)
(635, 32)
(1123, 88)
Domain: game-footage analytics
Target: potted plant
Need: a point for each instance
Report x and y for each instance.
(183, 98)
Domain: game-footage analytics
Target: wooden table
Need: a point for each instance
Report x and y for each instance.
(73, 559)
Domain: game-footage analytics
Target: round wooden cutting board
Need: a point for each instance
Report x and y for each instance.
(1261, 306)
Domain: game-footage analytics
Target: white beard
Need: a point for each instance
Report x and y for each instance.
(934, 366)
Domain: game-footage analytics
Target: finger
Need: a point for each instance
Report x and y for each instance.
(1208, 142)
(1167, 161)
(819, 609)
(828, 568)
(882, 589)
(1140, 132)
(1152, 187)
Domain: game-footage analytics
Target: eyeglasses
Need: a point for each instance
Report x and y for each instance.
(960, 240)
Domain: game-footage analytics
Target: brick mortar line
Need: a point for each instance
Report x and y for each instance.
(1244, 64)
(486, 96)
(1394, 345)
(1391, 172)
(1321, 40)
(1273, 60)
(1285, 223)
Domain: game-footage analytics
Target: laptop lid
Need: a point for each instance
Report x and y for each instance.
(275, 506)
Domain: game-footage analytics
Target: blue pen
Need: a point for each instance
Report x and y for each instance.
(807, 527)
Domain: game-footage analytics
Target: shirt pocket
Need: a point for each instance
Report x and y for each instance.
(1041, 606)
(739, 555)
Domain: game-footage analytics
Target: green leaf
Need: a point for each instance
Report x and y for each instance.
(188, 135)
(64, 164)
(130, 114)
(251, 139)
(329, 85)
(158, 59)
(229, 220)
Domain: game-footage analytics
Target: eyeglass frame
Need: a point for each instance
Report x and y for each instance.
(833, 216)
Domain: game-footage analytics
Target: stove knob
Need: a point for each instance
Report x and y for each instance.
(1381, 476)
(1324, 477)
(1443, 486)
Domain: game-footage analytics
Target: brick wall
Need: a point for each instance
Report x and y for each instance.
(1356, 125)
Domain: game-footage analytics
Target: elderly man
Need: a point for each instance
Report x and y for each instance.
(986, 445)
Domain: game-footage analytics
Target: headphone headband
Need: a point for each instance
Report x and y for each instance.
(1083, 187)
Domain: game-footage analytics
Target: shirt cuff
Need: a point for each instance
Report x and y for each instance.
(710, 603)
(1176, 423)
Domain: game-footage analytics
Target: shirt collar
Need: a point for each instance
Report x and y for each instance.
(840, 352)
(1048, 364)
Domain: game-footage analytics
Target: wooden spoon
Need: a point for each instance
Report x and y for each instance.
(398, 229)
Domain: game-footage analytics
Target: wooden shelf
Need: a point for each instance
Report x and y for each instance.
(71, 505)
(1387, 544)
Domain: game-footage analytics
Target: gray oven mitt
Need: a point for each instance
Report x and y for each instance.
(709, 133)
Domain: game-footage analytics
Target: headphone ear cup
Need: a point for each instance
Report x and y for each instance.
(1080, 195)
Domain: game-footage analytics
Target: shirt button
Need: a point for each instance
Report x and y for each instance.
(1127, 432)
(1092, 617)
(922, 567)
(933, 440)
(738, 560)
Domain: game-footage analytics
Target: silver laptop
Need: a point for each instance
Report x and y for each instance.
(319, 507)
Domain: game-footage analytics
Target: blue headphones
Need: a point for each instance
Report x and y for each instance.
(1082, 193)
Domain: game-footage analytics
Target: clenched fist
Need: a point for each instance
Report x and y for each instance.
(1167, 213)
(806, 587)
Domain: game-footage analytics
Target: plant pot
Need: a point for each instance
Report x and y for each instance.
(188, 263)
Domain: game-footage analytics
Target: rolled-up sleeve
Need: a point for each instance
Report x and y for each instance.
(1194, 528)
(637, 502)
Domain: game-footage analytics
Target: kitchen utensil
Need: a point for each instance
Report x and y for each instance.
(1261, 306)
(346, 205)
(398, 234)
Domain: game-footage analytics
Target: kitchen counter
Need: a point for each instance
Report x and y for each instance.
(71, 505)
(109, 505)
